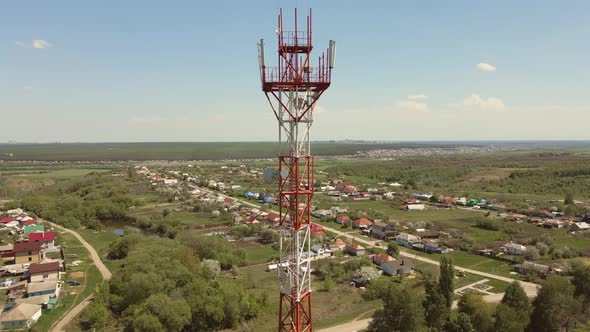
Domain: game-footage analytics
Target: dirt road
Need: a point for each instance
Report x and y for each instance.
(61, 324)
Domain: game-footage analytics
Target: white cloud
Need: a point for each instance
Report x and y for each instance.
(40, 44)
(417, 97)
(27, 88)
(35, 43)
(475, 103)
(485, 67)
(413, 105)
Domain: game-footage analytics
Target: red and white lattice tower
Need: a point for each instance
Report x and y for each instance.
(292, 89)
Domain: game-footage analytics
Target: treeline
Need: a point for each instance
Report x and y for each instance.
(88, 201)
(455, 174)
(560, 305)
(169, 285)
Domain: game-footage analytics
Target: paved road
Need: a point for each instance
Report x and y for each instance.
(61, 324)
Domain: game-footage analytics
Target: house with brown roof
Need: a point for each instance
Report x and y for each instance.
(354, 249)
(40, 272)
(27, 252)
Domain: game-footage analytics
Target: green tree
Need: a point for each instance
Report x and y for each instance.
(166, 212)
(147, 323)
(268, 235)
(392, 249)
(445, 279)
(402, 311)
(515, 297)
(569, 198)
(435, 307)
(461, 323)
(329, 284)
(555, 307)
(506, 319)
(581, 282)
(474, 306)
(95, 316)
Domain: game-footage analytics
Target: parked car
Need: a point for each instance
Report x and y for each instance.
(73, 283)
(72, 256)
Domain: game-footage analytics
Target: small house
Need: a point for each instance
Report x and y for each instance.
(406, 240)
(382, 257)
(40, 272)
(580, 226)
(383, 231)
(415, 207)
(49, 287)
(354, 249)
(362, 223)
(514, 249)
(337, 245)
(21, 317)
(532, 268)
(434, 247)
(45, 238)
(342, 219)
(397, 267)
(27, 252)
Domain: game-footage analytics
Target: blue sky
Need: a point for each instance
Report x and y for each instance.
(187, 70)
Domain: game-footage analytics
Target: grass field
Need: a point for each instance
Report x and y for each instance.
(100, 241)
(338, 306)
(56, 174)
(256, 252)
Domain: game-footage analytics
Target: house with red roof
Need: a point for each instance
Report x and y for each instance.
(29, 222)
(252, 220)
(45, 238)
(362, 223)
(6, 220)
(342, 219)
(272, 217)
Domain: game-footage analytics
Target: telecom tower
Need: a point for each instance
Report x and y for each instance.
(292, 89)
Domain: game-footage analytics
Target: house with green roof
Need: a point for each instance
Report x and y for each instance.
(33, 228)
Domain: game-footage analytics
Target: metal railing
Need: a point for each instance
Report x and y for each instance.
(295, 38)
(309, 75)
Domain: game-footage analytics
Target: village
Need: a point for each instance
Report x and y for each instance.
(32, 271)
(243, 206)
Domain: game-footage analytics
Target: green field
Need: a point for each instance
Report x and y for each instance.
(178, 150)
(338, 306)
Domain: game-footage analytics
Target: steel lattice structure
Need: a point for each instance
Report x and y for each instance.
(292, 90)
